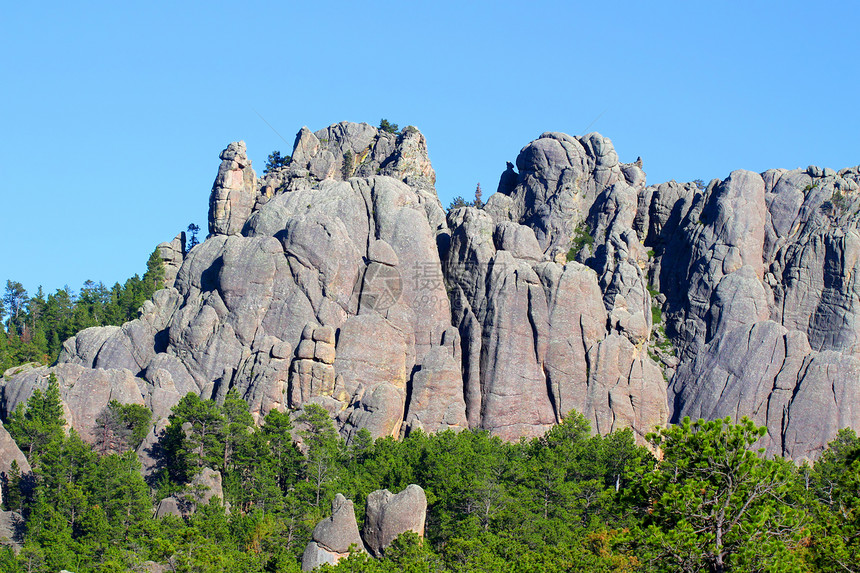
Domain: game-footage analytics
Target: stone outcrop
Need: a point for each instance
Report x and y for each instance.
(339, 280)
(11, 529)
(233, 193)
(9, 452)
(84, 392)
(340, 250)
(333, 537)
(521, 294)
(172, 254)
(205, 486)
(388, 515)
(758, 275)
(312, 373)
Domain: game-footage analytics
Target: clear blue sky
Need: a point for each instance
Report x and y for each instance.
(113, 114)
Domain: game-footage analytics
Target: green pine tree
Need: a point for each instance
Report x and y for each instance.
(33, 426)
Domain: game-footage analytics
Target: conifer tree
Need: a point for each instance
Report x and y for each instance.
(12, 495)
(323, 446)
(41, 420)
(197, 445)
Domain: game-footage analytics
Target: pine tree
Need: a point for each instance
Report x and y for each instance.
(275, 162)
(287, 459)
(714, 500)
(323, 447)
(121, 427)
(193, 230)
(15, 299)
(388, 127)
(41, 420)
(194, 437)
(237, 426)
(153, 278)
(12, 496)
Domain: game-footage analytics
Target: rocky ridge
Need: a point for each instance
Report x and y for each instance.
(339, 280)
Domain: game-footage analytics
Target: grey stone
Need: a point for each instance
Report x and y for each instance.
(324, 334)
(10, 452)
(437, 402)
(207, 485)
(12, 529)
(379, 410)
(233, 193)
(315, 556)
(305, 351)
(333, 537)
(172, 254)
(169, 506)
(324, 352)
(388, 515)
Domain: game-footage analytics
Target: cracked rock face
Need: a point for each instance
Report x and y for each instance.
(339, 280)
(327, 291)
(761, 300)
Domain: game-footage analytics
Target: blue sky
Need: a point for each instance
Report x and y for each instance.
(113, 114)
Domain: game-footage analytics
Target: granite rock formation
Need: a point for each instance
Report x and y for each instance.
(761, 300)
(207, 484)
(333, 537)
(339, 280)
(386, 516)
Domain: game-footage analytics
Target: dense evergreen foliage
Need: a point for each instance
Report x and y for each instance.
(568, 501)
(275, 161)
(33, 328)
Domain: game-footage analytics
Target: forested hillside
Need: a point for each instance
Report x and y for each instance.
(568, 501)
(33, 327)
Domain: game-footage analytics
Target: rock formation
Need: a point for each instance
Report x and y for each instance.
(758, 273)
(389, 515)
(204, 486)
(11, 529)
(386, 517)
(333, 537)
(172, 254)
(340, 280)
(9, 452)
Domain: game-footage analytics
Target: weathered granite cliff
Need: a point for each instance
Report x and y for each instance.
(340, 280)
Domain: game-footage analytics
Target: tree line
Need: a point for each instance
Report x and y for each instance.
(567, 501)
(33, 327)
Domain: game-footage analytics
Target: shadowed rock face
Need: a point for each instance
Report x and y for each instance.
(339, 280)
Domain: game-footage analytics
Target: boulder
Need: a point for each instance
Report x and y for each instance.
(207, 485)
(333, 537)
(172, 254)
(388, 515)
(171, 506)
